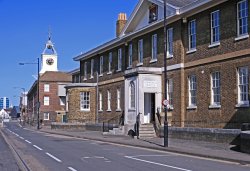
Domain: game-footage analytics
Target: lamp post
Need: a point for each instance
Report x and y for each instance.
(165, 77)
(38, 79)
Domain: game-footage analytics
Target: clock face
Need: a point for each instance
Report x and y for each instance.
(49, 61)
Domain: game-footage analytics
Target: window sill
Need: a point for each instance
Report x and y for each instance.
(191, 51)
(139, 64)
(91, 77)
(119, 70)
(85, 110)
(109, 73)
(214, 45)
(46, 119)
(84, 79)
(118, 110)
(239, 105)
(191, 107)
(100, 110)
(170, 56)
(240, 37)
(109, 110)
(131, 110)
(101, 75)
(130, 67)
(153, 61)
(214, 106)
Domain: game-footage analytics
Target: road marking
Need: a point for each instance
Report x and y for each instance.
(160, 164)
(53, 157)
(28, 141)
(37, 147)
(21, 138)
(72, 169)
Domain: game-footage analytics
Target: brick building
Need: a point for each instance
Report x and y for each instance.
(52, 94)
(207, 66)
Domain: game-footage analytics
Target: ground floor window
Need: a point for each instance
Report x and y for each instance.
(215, 86)
(84, 101)
(109, 100)
(243, 85)
(100, 101)
(46, 116)
(192, 90)
(170, 92)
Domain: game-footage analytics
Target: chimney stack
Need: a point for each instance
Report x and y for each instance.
(122, 19)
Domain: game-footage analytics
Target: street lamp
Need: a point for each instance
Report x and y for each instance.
(23, 105)
(165, 77)
(38, 77)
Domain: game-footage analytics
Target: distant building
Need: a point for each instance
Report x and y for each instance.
(52, 94)
(4, 103)
(15, 112)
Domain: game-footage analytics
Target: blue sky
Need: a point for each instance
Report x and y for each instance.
(77, 26)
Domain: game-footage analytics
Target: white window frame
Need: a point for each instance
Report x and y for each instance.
(110, 62)
(85, 101)
(109, 101)
(132, 95)
(101, 66)
(243, 89)
(118, 100)
(215, 27)
(154, 48)
(119, 60)
(46, 100)
(170, 92)
(170, 42)
(92, 68)
(192, 35)
(242, 18)
(85, 70)
(192, 85)
(130, 55)
(46, 88)
(100, 101)
(45, 116)
(140, 52)
(215, 90)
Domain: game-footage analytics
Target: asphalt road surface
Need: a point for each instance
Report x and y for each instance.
(46, 152)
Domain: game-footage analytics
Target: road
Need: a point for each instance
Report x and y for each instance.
(46, 152)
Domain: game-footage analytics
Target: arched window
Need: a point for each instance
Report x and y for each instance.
(132, 95)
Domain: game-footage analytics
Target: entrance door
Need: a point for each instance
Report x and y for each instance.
(149, 107)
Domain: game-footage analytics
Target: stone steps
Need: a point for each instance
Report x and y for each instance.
(147, 131)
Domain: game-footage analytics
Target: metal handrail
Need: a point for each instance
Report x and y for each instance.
(119, 119)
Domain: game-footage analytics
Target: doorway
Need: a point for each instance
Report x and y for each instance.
(149, 108)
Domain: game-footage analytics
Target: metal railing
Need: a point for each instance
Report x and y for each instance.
(114, 122)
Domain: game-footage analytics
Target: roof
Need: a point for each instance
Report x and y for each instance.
(75, 71)
(180, 3)
(56, 76)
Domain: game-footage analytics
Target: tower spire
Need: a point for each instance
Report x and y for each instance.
(49, 46)
(49, 33)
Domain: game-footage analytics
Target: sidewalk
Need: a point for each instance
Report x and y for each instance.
(195, 148)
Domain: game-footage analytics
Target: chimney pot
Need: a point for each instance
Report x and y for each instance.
(122, 19)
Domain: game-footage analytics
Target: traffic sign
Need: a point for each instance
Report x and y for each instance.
(165, 102)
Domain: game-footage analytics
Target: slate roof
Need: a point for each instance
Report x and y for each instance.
(56, 76)
(180, 3)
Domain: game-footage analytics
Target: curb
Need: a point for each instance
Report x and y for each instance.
(21, 165)
(167, 149)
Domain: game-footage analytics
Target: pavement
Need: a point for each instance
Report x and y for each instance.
(217, 151)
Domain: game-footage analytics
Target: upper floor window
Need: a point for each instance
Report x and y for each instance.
(140, 51)
(85, 70)
(192, 35)
(192, 90)
(46, 87)
(242, 18)
(243, 86)
(62, 100)
(153, 13)
(215, 87)
(130, 54)
(170, 42)
(119, 64)
(46, 101)
(101, 65)
(84, 101)
(92, 68)
(132, 95)
(118, 102)
(154, 47)
(215, 27)
(109, 100)
(110, 62)
(170, 92)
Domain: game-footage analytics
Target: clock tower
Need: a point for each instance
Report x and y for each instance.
(49, 57)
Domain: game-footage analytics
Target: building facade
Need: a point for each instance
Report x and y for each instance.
(4, 103)
(52, 94)
(207, 47)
